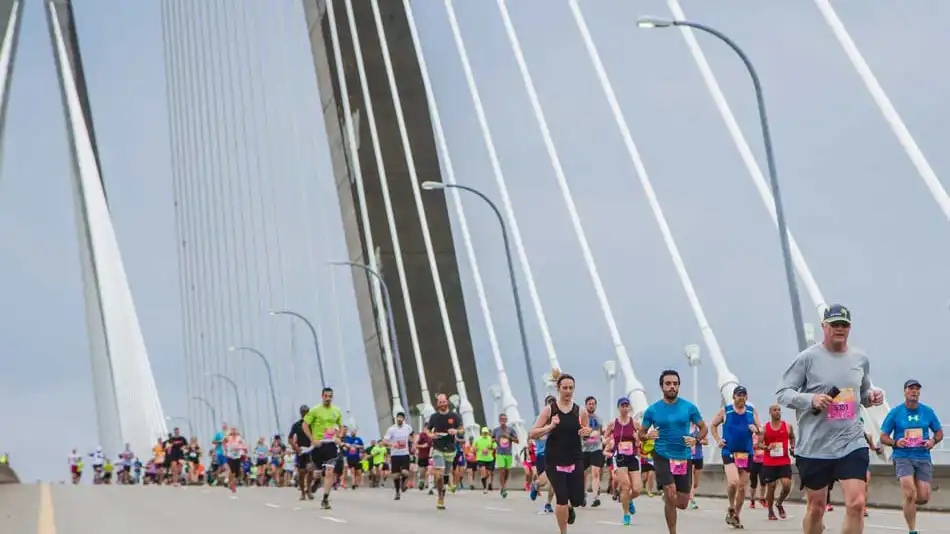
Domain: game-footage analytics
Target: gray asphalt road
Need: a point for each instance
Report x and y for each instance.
(147, 510)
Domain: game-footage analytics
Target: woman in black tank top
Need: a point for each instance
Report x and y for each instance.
(565, 424)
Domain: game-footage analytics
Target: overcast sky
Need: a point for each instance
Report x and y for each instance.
(867, 225)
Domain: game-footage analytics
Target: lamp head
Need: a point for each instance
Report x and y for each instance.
(654, 22)
(429, 185)
(271, 312)
(610, 367)
(232, 349)
(693, 355)
(454, 399)
(495, 390)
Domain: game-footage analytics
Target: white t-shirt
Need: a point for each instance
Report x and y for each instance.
(398, 439)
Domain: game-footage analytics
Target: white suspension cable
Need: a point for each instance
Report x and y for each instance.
(875, 415)
(352, 151)
(725, 379)
(502, 187)
(634, 388)
(509, 404)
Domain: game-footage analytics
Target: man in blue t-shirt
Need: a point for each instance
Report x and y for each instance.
(912, 428)
(667, 421)
(353, 448)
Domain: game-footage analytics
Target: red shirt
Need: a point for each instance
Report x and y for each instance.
(777, 442)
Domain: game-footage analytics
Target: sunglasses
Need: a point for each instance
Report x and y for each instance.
(839, 324)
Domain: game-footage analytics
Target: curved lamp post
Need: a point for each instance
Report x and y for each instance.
(270, 380)
(316, 341)
(237, 397)
(655, 22)
(214, 413)
(610, 369)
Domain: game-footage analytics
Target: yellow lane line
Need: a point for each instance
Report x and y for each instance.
(46, 524)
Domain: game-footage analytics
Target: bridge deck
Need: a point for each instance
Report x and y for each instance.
(147, 510)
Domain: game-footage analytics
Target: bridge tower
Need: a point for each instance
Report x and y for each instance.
(433, 341)
(127, 403)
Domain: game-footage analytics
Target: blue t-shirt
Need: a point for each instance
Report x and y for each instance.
(672, 422)
(353, 445)
(698, 449)
(736, 432)
(219, 448)
(540, 446)
(901, 419)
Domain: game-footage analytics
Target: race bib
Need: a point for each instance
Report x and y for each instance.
(503, 442)
(741, 459)
(352, 450)
(400, 444)
(625, 448)
(914, 437)
(678, 467)
(759, 455)
(565, 468)
(777, 450)
(842, 406)
(329, 434)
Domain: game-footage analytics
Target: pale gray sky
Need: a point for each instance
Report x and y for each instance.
(866, 224)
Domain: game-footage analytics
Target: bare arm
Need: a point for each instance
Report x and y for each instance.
(542, 426)
(703, 429)
(717, 420)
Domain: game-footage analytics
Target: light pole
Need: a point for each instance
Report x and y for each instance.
(495, 390)
(191, 427)
(316, 340)
(439, 186)
(694, 358)
(810, 334)
(653, 22)
(392, 327)
(214, 413)
(237, 397)
(610, 368)
(270, 380)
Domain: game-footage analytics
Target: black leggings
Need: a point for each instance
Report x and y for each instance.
(568, 487)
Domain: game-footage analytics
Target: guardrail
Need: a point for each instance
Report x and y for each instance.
(8, 475)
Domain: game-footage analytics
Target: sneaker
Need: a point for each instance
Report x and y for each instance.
(325, 504)
(440, 504)
(752, 503)
(772, 516)
(504, 494)
(397, 497)
(533, 493)
(422, 485)
(865, 512)
(626, 520)
(596, 502)
(763, 503)
(548, 509)
(829, 508)
(781, 511)
(571, 515)
(692, 504)
(632, 508)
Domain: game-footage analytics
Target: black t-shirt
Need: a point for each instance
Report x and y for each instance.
(175, 444)
(297, 432)
(441, 423)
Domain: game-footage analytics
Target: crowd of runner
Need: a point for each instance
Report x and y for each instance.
(570, 450)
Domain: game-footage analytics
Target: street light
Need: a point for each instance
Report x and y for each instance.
(810, 334)
(270, 380)
(439, 186)
(655, 22)
(237, 397)
(392, 328)
(191, 427)
(694, 359)
(316, 340)
(495, 391)
(610, 368)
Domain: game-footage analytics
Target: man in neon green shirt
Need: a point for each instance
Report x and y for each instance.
(484, 448)
(323, 424)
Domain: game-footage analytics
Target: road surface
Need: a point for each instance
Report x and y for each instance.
(57, 509)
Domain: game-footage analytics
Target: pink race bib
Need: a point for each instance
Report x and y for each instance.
(842, 406)
(678, 467)
(503, 443)
(625, 448)
(565, 468)
(741, 459)
(914, 437)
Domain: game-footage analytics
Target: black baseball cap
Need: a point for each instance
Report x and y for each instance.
(911, 383)
(740, 390)
(836, 313)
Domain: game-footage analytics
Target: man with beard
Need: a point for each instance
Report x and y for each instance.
(300, 441)
(445, 427)
(739, 422)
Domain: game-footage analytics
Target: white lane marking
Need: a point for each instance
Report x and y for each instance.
(497, 509)
(46, 523)
(297, 508)
(234, 497)
(610, 523)
(271, 505)
(334, 519)
(884, 527)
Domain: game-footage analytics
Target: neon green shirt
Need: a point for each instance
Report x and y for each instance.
(379, 455)
(324, 422)
(483, 447)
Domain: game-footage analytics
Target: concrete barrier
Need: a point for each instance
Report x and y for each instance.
(8, 475)
(884, 492)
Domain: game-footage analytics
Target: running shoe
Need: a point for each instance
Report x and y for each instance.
(632, 508)
(781, 511)
(533, 492)
(626, 520)
(571, 515)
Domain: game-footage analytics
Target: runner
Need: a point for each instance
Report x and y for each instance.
(622, 438)
(235, 449)
(98, 460)
(75, 466)
(916, 429)
(397, 439)
(324, 422)
(445, 427)
(484, 445)
(697, 463)
(739, 422)
(301, 443)
(565, 426)
(220, 460)
(823, 385)
(423, 444)
(778, 443)
(194, 460)
(593, 450)
(504, 436)
(259, 465)
(671, 417)
(354, 448)
(125, 465)
(756, 487)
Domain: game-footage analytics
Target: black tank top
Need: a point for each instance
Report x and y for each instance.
(564, 443)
